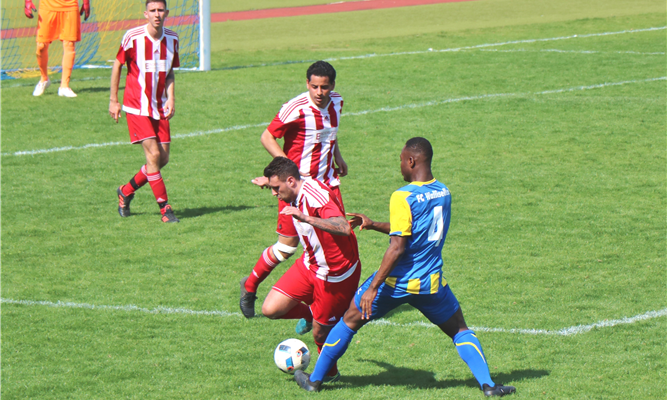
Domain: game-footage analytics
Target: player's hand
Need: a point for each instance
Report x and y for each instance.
(114, 110)
(360, 220)
(29, 8)
(294, 212)
(366, 302)
(342, 168)
(261, 181)
(169, 109)
(85, 8)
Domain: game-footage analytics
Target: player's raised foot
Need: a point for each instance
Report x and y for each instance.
(168, 214)
(41, 87)
(498, 390)
(247, 302)
(303, 379)
(124, 202)
(332, 378)
(303, 327)
(66, 92)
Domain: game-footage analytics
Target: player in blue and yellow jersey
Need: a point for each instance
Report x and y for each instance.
(410, 272)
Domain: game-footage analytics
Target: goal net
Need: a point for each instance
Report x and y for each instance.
(100, 35)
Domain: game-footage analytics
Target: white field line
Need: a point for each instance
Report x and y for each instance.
(481, 46)
(372, 55)
(350, 114)
(572, 330)
(573, 51)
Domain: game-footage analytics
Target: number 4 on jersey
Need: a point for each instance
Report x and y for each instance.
(437, 226)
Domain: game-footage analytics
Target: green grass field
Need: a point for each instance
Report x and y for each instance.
(554, 151)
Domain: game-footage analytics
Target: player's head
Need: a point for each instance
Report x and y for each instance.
(284, 178)
(156, 12)
(416, 158)
(320, 80)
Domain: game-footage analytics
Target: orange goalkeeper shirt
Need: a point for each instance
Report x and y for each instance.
(59, 5)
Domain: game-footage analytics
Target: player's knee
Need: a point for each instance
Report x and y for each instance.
(41, 47)
(282, 251)
(270, 311)
(153, 158)
(68, 47)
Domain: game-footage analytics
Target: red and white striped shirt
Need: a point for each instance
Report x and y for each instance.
(310, 135)
(323, 253)
(148, 64)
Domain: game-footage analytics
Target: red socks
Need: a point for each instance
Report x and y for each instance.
(136, 182)
(266, 263)
(157, 184)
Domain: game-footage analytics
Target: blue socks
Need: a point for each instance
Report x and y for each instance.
(334, 348)
(471, 352)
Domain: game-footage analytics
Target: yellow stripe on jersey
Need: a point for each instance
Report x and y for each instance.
(414, 286)
(390, 281)
(435, 281)
(400, 215)
(444, 282)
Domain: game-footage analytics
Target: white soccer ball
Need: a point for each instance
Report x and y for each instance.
(292, 354)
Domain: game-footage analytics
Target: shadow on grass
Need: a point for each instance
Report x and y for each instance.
(196, 212)
(397, 376)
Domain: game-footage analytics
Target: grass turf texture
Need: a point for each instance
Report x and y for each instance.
(558, 220)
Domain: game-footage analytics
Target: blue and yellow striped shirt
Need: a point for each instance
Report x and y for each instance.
(422, 211)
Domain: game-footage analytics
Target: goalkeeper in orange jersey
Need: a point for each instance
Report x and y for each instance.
(57, 19)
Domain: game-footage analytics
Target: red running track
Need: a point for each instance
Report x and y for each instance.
(243, 15)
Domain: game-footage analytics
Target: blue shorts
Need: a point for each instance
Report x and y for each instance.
(438, 307)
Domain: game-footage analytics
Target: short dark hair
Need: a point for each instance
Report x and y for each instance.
(283, 168)
(322, 68)
(420, 145)
(156, 1)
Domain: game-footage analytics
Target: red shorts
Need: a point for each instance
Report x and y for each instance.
(142, 128)
(54, 25)
(328, 301)
(286, 223)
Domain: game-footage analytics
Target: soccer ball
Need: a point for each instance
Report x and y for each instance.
(290, 355)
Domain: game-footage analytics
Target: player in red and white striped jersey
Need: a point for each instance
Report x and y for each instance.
(322, 282)
(308, 124)
(151, 54)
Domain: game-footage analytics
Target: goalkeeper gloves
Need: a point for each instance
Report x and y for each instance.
(85, 8)
(29, 8)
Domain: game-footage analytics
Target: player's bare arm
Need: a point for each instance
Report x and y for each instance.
(338, 159)
(114, 105)
(169, 105)
(389, 260)
(333, 225)
(365, 223)
(271, 145)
